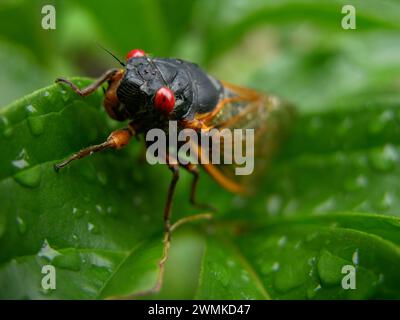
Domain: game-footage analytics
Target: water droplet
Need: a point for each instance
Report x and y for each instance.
(36, 125)
(30, 109)
(22, 160)
(5, 128)
(21, 225)
(46, 94)
(384, 159)
(245, 276)
(329, 268)
(64, 95)
(290, 207)
(386, 202)
(311, 261)
(75, 238)
(358, 183)
(223, 276)
(275, 267)
(230, 263)
(30, 177)
(102, 177)
(20, 164)
(100, 261)
(325, 206)
(77, 213)
(312, 292)
(282, 241)
(274, 204)
(298, 245)
(355, 258)
(100, 209)
(379, 124)
(70, 260)
(47, 251)
(92, 228)
(110, 210)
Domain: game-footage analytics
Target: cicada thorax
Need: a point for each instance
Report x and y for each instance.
(245, 112)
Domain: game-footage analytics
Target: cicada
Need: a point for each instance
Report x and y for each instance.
(149, 92)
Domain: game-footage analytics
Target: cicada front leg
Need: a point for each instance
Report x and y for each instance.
(116, 140)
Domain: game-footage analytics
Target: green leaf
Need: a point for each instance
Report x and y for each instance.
(303, 259)
(226, 274)
(91, 221)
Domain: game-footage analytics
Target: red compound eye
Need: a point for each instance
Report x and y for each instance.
(135, 53)
(164, 100)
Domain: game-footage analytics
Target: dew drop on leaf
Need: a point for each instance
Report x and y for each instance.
(274, 204)
(377, 125)
(36, 125)
(102, 177)
(245, 276)
(77, 213)
(5, 128)
(21, 161)
(356, 183)
(21, 225)
(329, 268)
(8, 132)
(230, 263)
(312, 291)
(384, 159)
(92, 228)
(282, 241)
(30, 177)
(223, 276)
(47, 252)
(110, 210)
(275, 267)
(30, 109)
(100, 209)
(64, 95)
(386, 202)
(69, 260)
(327, 205)
(355, 258)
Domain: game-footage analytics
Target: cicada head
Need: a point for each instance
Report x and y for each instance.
(143, 88)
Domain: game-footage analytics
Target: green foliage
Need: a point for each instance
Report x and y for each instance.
(331, 198)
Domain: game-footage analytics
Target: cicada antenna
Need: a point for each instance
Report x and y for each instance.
(111, 54)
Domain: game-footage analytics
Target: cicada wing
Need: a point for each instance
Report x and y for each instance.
(266, 117)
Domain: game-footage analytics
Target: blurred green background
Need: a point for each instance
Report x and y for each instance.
(294, 48)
